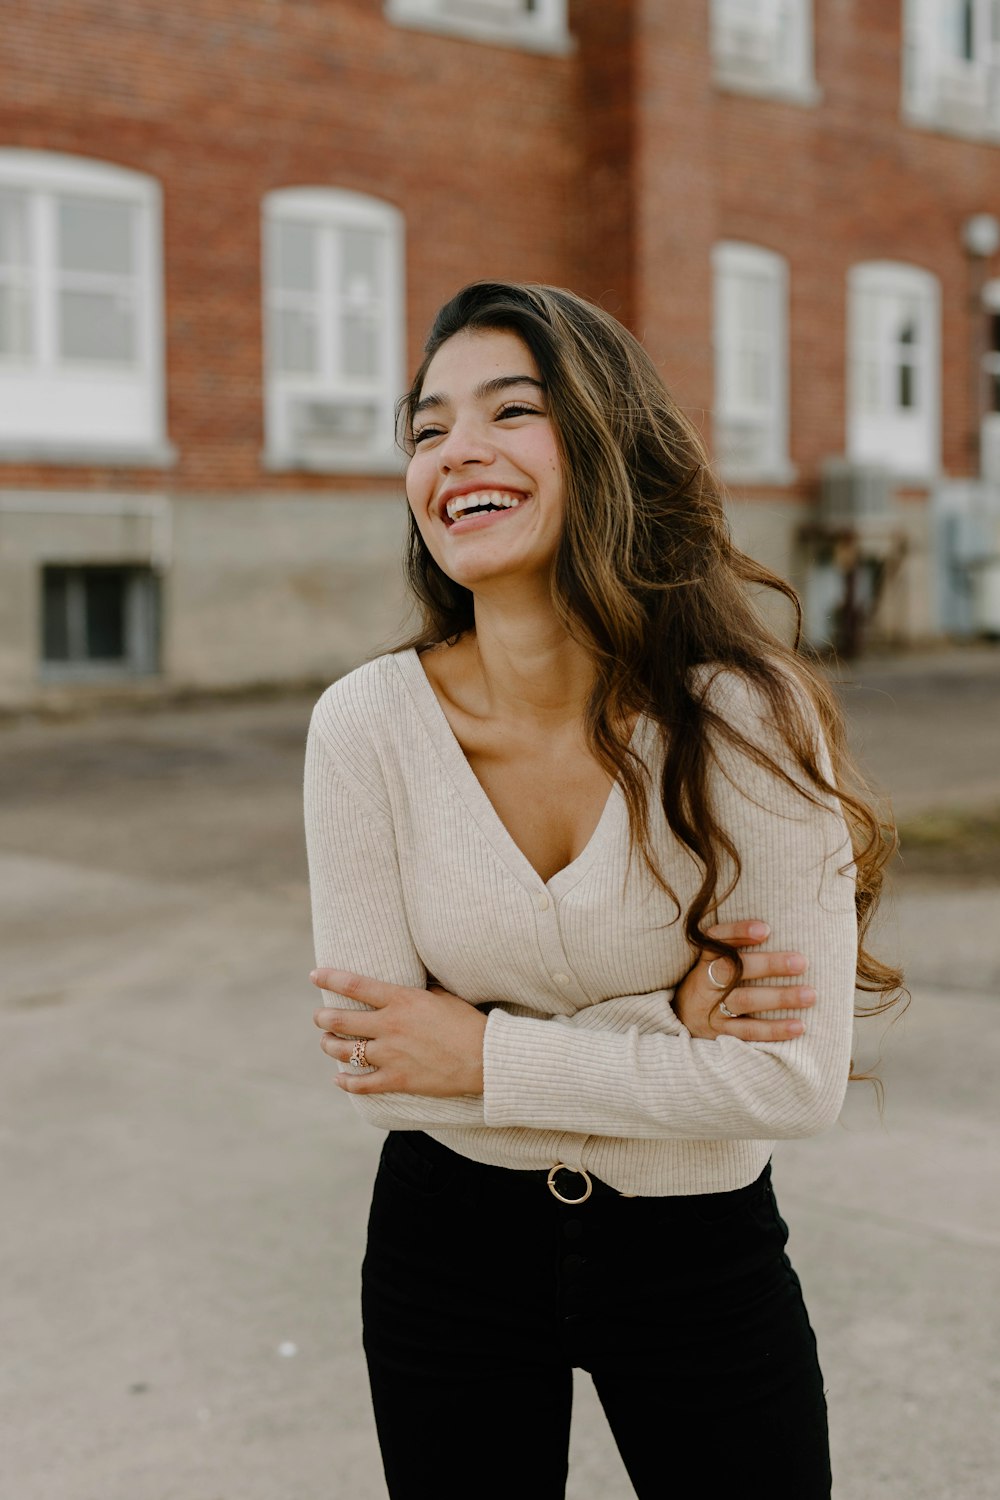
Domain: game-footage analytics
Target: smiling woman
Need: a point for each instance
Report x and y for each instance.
(485, 461)
(589, 872)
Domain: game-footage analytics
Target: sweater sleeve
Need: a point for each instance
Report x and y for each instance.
(359, 917)
(635, 1082)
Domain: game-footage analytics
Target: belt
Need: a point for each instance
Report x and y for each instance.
(569, 1185)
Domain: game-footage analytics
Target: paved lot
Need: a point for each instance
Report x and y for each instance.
(185, 1195)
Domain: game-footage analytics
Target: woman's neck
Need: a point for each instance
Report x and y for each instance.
(522, 665)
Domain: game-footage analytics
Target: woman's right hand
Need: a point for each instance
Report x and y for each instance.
(697, 1001)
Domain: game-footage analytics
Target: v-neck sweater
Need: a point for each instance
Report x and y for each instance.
(412, 873)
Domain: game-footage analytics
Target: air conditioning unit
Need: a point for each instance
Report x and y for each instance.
(962, 96)
(487, 10)
(852, 493)
(332, 427)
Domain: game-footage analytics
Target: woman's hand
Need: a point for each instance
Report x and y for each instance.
(416, 1041)
(698, 1001)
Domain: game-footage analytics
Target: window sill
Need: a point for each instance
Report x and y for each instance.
(390, 465)
(68, 673)
(79, 455)
(936, 125)
(522, 38)
(775, 474)
(731, 80)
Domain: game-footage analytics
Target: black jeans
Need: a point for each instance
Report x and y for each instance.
(481, 1292)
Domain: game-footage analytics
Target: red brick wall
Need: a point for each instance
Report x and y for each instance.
(612, 170)
(847, 181)
(675, 197)
(227, 99)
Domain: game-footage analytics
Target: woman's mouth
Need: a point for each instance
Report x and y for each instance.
(480, 506)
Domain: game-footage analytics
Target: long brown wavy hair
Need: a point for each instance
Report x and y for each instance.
(648, 580)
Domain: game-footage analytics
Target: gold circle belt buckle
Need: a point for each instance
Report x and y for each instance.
(561, 1166)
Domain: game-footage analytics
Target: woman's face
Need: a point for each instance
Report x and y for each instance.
(485, 481)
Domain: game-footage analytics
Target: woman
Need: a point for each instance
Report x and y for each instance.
(546, 840)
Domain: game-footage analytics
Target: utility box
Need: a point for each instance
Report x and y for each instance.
(986, 597)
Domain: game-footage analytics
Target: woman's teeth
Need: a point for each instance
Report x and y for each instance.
(482, 500)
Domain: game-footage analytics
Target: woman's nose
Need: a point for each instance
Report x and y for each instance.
(465, 443)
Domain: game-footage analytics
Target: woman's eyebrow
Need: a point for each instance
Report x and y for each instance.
(485, 388)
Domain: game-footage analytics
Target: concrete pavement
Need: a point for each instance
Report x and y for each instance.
(185, 1194)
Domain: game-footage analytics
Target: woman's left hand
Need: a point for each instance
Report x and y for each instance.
(416, 1041)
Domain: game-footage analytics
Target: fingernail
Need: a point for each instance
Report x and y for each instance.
(758, 929)
(313, 973)
(796, 965)
(808, 997)
(796, 1028)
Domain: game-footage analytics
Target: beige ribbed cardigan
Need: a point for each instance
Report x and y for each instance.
(412, 873)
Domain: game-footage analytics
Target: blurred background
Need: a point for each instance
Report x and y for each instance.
(224, 231)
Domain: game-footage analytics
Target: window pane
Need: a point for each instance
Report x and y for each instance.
(15, 322)
(360, 347)
(13, 231)
(295, 341)
(95, 234)
(359, 265)
(869, 395)
(906, 390)
(97, 326)
(294, 247)
(757, 305)
(105, 613)
(55, 614)
(749, 334)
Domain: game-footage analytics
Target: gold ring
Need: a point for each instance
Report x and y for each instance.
(358, 1058)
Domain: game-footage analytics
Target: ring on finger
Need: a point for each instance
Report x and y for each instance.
(715, 983)
(358, 1060)
(730, 1015)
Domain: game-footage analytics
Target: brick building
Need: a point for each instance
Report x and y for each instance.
(224, 229)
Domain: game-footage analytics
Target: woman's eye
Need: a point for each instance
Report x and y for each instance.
(516, 409)
(425, 433)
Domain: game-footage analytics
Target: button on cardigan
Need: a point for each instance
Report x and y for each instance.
(413, 874)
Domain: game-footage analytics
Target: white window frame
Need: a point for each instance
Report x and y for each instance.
(951, 66)
(751, 438)
(287, 395)
(58, 411)
(531, 25)
(765, 47)
(881, 431)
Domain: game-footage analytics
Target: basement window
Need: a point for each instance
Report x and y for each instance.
(99, 621)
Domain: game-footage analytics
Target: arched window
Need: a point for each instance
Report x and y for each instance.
(893, 406)
(81, 319)
(334, 330)
(751, 362)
